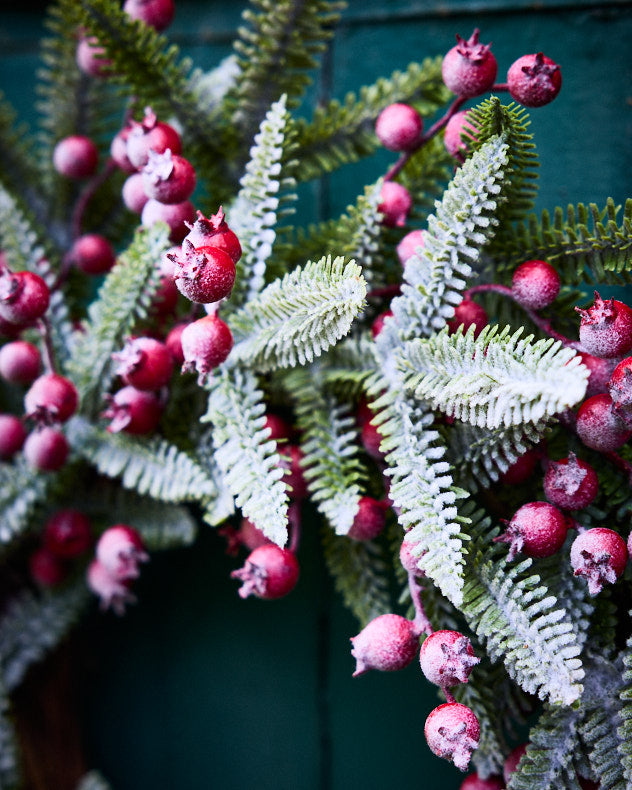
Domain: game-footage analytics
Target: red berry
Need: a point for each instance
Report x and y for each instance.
(598, 425)
(12, 435)
(150, 135)
(214, 232)
(20, 362)
(468, 313)
(168, 178)
(133, 193)
(133, 411)
(144, 363)
(118, 150)
(537, 529)
(521, 469)
(76, 157)
(378, 324)
(452, 732)
(408, 246)
(92, 254)
(269, 572)
(369, 520)
(166, 297)
(570, 484)
(447, 658)
(291, 457)
(47, 569)
(512, 760)
(46, 449)
(203, 274)
(51, 398)
(600, 372)
(456, 127)
(114, 593)
(120, 550)
(279, 429)
(535, 284)
(206, 343)
(67, 533)
(371, 439)
(24, 296)
(388, 643)
(395, 203)
(175, 215)
(409, 559)
(599, 555)
(619, 387)
(90, 57)
(399, 127)
(475, 782)
(155, 13)
(534, 80)
(173, 342)
(469, 68)
(606, 328)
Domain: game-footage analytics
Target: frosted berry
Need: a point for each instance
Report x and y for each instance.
(466, 314)
(92, 254)
(278, 428)
(599, 555)
(395, 203)
(409, 558)
(76, 157)
(388, 643)
(206, 343)
(47, 569)
(67, 533)
(113, 593)
(150, 134)
(51, 398)
(399, 127)
(619, 387)
(120, 550)
(600, 372)
(469, 68)
(512, 760)
(456, 128)
(155, 13)
(46, 449)
(534, 80)
(369, 520)
(213, 231)
(173, 341)
(269, 572)
(133, 193)
(24, 296)
(378, 323)
(522, 468)
(570, 484)
(20, 362)
(118, 150)
(475, 782)
(447, 658)
(91, 57)
(144, 363)
(166, 297)
(167, 177)
(203, 274)
(535, 284)
(598, 425)
(536, 529)
(371, 439)
(452, 732)
(133, 411)
(291, 457)
(12, 435)
(409, 245)
(606, 328)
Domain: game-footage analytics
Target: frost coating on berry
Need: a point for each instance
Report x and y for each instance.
(606, 328)
(522, 468)
(537, 529)
(469, 68)
(24, 296)
(12, 435)
(395, 203)
(150, 134)
(570, 484)
(174, 214)
(203, 274)
(452, 732)
(466, 314)
(600, 372)
(144, 363)
(118, 150)
(619, 387)
(114, 593)
(388, 643)
(92, 254)
(133, 193)
(76, 157)
(20, 362)
(475, 782)
(67, 533)
(598, 425)
(120, 551)
(409, 558)
(599, 555)
(206, 343)
(409, 245)
(269, 572)
(369, 520)
(447, 658)
(213, 231)
(155, 13)
(46, 449)
(534, 80)
(133, 411)
(456, 128)
(399, 127)
(167, 177)
(535, 284)
(51, 398)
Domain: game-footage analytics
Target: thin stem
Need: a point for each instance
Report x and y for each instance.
(448, 694)
(294, 518)
(86, 196)
(48, 351)
(421, 622)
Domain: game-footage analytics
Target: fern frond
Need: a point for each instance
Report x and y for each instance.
(298, 317)
(9, 760)
(245, 454)
(18, 159)
(210, 87)
(20, 491)
(222, 506)
(93, 781)
(497, 379)
(625, 730)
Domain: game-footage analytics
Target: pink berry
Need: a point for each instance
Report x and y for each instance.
(269, 572)
(619, 387)
(512, 760)
(395, 203)
(114, 593)
(570, 484)
(466, 314)
(51, 398)
(120, 550)
(388, 643)
(150, 135)
(522, 468)
(598, 425)
(175, 215)
(469, 68)
(76, 157)
(47, 569)
(534, 80)
(90, 57)
(535, 284)
(133, 411)
(92, 254)
(409, 559)
(369, 520)
(24, 296)
(291, 457)
(536, 529)
(214, 232)
(475, 782)
(144, 363)
(600, 372)
(20, 362)
(67, 533)
(452, 732)
(167, 177)
(173, 341)
(399, 127)
(447, 658)
(378, 323)
(599, 555)
(118, 150)
(155, 13)
(606, 328)
(203, 274)
(408, 246)
(12, 435)
(371, 439)
(206, 343)
(46, 449)
(457, 127)
(133, 193)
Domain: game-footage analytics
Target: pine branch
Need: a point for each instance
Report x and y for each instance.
(498, 379)
(221, 507)
(625, 730)
(20, 492)
(295, 319)
(347, 367)
(243, 451)
(9, 760)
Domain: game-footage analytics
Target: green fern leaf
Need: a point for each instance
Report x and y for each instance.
(20, 492)
(625, 730)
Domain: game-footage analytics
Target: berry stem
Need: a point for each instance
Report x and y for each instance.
(86, 196)
(294, 518)
(421, 622)
(448, 694)
(48, 355)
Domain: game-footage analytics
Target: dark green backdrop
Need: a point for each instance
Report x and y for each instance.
(196, 689)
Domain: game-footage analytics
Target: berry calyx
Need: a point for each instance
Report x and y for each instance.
(469, 68)
(534, 80)
(606, 328)
(92, 254)
(76, 157)
(150, 134)
(536, 529)
(466, 314)
(369, 520)
(24, 296)
(20, 362)
(599, 555)
(535, 284)
(452, 732)
(203, 274)
(120, 550)
(133, 411)
(269, 572)
(12, 435)
(447, 658)
(206, 343)
(399, 127)
(155, 13)
(144, 363)
(167, 177)
(51, 398)
(395, 203)
(113, 593)
(570, 483)
(46, 449)
(388, 643)
(213, 231)
(619, 387)
(598, 425)
(67, 533)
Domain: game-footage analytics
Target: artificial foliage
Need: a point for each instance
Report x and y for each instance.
(453, 409)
